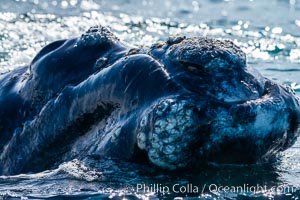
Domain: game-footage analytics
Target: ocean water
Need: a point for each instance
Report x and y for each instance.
(267, 30)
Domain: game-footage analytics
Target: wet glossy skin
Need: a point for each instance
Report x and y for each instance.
(180, 103)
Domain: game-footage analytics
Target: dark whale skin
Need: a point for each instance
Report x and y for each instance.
(180, 104)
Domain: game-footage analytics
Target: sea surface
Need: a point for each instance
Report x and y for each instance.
(267, 30)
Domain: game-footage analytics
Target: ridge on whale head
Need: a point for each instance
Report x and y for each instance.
(179, 104)
(70, 61)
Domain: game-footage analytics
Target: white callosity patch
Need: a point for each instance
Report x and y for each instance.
(115, 133)
(217, 64)
(202, 51)
(142, 136)
(168, 133)
(97, 35)
(262, 136)
(141, 140)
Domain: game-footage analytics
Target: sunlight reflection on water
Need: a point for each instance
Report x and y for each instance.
(268, 31)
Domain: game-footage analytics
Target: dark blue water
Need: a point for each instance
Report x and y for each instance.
(267, 30)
